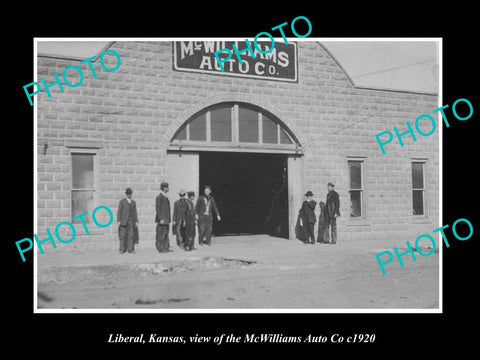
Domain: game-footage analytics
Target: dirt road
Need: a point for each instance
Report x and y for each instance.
(246, 274)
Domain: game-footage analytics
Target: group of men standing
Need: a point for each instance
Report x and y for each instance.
(327, 220)
(186, 216)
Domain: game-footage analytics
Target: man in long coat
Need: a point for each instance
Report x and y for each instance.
(190, 223)
(180, 209)
(322, 221)
(333, 211)
(309, 217)
(127, 220)
(162, 219)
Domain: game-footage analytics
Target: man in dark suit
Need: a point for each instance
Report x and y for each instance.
(127, 221)
(190, 222)
(162, 219)
(333, 211)
(322, 221)
(309, 217)
(204, 209)
(180, 209)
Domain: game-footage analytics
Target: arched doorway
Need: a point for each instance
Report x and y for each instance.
(253, 162)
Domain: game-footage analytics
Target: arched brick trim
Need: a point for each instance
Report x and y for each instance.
(254, 100)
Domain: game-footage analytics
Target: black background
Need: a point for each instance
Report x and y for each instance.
(62, 335)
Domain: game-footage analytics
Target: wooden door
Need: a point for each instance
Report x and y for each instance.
(296, 190)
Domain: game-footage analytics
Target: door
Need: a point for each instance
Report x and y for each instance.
(182, 173)
(296, 190)
(250, 190)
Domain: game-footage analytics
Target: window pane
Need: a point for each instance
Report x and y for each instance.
(82, 171)
(284, 138)
(182, 134)
(417, 202)
(82, 201)
(221, 124)
(270, 135)
(198, 128)
(355, 203)
(417, 175)
(248, 125)
(355, 168)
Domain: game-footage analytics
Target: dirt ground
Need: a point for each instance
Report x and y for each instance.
(249, 272)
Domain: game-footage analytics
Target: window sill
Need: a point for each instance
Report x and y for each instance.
(357, 222)
(81, 232)
(421, 220)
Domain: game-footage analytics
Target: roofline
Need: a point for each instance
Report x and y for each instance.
(373, 88)
(337, 62)
(76, 58)
(416, 92)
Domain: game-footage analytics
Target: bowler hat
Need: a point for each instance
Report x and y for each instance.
(163, 184)
(128, 191)
(308, 193)
(331, 184)
(181, 192)
(191, 193)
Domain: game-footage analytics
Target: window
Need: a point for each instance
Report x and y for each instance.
(355, 171)
(418, 187)
(236, 123)
(198, 128)
(83, 185)
(221, 124)
(248, 125)
(182, 134)
(284, 138)
(269, 130)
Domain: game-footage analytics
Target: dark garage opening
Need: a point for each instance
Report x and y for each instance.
(251, 192)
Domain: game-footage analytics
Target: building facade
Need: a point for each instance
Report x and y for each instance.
(260, 137)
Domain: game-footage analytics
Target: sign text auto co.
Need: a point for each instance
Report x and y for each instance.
(199, 56)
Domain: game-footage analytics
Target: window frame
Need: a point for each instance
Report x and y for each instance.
(363, 197)
(94, 153)
(423, 189)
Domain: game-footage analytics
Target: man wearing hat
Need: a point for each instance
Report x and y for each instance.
(127, 221)
(162, 219)
(333, 211)
(190, 222)
(204, 209)
(180, 210)
(308, 209)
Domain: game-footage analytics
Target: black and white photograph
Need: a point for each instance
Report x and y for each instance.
(216, 175)
(215, 180)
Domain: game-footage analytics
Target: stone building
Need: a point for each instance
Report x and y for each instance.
(261, 134)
